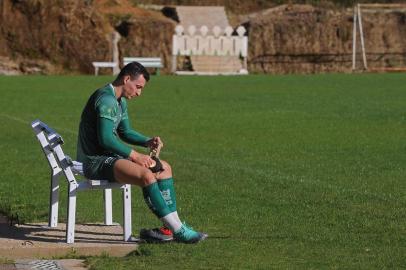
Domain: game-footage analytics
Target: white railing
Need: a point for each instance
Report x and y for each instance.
(220, 42)
(198, 42)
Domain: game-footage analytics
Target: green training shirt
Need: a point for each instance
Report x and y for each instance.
(104, 120)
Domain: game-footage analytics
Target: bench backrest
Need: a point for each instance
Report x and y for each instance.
(51, 143)
(154, 62)
(104, 64)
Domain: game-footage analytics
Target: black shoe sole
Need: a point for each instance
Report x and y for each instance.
(145, 237)
(155, 241)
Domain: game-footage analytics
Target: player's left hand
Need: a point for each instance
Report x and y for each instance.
(155, 145)
(157, 167)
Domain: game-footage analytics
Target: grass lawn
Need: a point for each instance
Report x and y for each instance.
(284, 172)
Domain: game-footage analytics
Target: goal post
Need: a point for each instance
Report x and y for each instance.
(358, 30)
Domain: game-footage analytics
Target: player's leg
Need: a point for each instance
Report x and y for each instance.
(166, 186)
(165, 183)
(128, 172)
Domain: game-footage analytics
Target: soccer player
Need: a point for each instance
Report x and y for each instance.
(103, 123)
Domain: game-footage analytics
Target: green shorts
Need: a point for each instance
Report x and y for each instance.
(100, 167)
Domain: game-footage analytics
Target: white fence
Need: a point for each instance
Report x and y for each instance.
(219, 42)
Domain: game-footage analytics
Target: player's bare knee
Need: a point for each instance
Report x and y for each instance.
(147, 178)
(167, 168)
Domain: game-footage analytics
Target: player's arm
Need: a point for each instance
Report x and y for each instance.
(125, 131)
(131, 136)
(106, 115)
(107, 139)
(109, 142)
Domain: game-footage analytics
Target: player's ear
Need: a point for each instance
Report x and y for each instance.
(126, 79)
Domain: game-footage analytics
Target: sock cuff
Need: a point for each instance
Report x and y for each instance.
(166, 179)
(150, 186)
(165, 182)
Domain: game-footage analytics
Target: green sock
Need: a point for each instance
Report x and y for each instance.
(155, 201)
(168, 193)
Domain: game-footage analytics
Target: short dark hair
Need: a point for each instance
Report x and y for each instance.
(133, 69)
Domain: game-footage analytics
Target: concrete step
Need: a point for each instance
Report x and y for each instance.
(38, 241)
(202, 15)
(221, 64)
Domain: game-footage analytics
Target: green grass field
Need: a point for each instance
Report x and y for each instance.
(283, 172)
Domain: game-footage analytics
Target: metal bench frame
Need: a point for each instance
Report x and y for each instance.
(51, 144)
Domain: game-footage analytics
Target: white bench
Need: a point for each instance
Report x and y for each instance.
(98, 65)
(51, 144)
(148, 62)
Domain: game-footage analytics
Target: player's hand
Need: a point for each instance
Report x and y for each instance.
(155, 143)
(141, 159)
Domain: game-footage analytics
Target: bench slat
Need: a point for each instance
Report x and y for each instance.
(153, 62)
(104, 64)
(142, 59)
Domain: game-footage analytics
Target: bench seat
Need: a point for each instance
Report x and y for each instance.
(98, 65)
(61, 165)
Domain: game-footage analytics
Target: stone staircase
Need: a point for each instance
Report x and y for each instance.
(209, 16)
(216, 64)
(199, 16)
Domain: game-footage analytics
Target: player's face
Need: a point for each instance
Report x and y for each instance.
(133, 88)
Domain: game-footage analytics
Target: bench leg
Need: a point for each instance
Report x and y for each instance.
(96, 71)
(127, 212)
(173, 63)
(54, 199)
(70, 226)
(157, 71)
(108, 209)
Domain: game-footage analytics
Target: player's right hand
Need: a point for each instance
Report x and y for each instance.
(141, 159)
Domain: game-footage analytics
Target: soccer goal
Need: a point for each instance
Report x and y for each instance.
(395, 58)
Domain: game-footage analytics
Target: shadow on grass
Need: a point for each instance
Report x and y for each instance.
(42, 233)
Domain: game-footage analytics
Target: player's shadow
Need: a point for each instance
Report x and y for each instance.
(27, 234)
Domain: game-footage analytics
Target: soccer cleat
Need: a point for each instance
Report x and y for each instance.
(157, 235)
(189, 236)
(164, 230)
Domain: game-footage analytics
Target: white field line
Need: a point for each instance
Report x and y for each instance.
(22, 121)
(258, 172)
(27, 122)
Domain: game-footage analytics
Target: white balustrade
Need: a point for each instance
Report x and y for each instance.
(204, 42)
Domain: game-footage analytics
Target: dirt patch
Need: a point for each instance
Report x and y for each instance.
(7, 267)
(31, 241)
(122, 7)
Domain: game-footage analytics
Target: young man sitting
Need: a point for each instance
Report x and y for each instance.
(104, 122)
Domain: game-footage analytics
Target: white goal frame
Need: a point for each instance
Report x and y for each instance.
(357, 26)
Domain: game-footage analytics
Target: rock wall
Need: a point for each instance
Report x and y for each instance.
(147, 38)
(52, 36)
(144, 33)
(305, 39)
